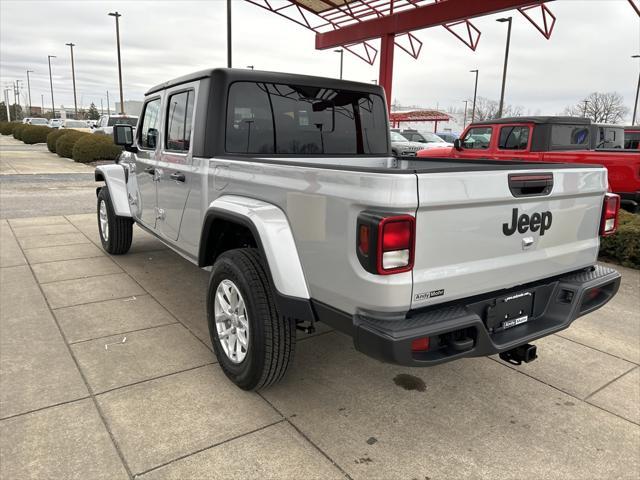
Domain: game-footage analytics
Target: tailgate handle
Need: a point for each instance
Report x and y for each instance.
(527, 185)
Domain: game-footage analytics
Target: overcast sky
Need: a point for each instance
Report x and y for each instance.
(590, 50)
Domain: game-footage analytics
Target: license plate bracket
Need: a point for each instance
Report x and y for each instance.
(509, 311)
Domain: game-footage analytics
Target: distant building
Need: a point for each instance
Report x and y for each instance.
(131, 107)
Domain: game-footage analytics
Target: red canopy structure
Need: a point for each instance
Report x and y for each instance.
(353, 24)
(418, 116)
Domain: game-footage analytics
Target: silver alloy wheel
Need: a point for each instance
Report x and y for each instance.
(232, 323)
(104, 221)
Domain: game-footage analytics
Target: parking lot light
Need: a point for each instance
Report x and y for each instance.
(53, 105)
(73, 76)
(29, 89)
(506, 60)
(475, 92)
(635, 105)
(117, 17)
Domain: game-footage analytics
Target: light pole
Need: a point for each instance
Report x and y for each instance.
(29, 89)
(475, 92)
(108, 105)
(341, 52)
(101, 107)
(117, 17)
(53, 105)
(506, 59)
(464, 122)
(635, 105)
(228, 33)
(6, 103)
(42, 101)
(17, 96)
(73, 76)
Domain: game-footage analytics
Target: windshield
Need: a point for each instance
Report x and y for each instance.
(75, 124)
(122, 121)
(396, 137)
(304, 120)
(432, 137)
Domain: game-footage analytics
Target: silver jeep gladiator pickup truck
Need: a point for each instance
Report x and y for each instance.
(285, 188)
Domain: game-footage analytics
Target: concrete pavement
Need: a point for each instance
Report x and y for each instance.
(106, 371)
(30, 173)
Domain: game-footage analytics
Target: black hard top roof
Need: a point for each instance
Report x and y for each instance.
(237, 74)
(556, 120)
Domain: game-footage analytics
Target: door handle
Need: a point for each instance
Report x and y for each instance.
(150, 170)
(177, 176)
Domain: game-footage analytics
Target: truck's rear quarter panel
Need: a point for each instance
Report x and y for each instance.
(461, 249)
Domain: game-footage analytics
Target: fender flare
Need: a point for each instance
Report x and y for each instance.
(274, 237)
(115, 177)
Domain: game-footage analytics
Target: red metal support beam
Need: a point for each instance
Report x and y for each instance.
(426, 16)
(385, 79)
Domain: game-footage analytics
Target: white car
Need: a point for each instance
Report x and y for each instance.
(38, 121)
(80, 125)
(106, 122)
(55, 122)
(429, 140)
(401, 147)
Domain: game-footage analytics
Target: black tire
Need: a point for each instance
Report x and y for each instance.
(120, 229)
(272, 338)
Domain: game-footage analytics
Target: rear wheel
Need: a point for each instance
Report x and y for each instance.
(254, 344)
(116, 233)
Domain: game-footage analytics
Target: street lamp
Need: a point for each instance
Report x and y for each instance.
(117, 17)
(341, 52)
(42, 102)
(29, 89)
(475, 92)
(6, 103)
(464, 122)
(506, 59)
(53, 105)
(73, 76)
(635, 105)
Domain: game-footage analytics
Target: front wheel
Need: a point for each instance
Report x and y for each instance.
(254, 344)
(116, 233)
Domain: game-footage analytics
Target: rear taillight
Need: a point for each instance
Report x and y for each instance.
(386, 244)
(610, 208)
(420, 345)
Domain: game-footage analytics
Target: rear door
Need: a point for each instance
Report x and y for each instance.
(175, 167)
(481, 231)
(513, 142)
(148, 138)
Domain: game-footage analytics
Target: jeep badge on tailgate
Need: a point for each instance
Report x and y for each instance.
(523, 223)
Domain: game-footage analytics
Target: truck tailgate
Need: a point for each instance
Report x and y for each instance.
(474, 236)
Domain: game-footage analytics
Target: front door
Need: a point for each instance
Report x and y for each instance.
(175, 170)
(146, 164)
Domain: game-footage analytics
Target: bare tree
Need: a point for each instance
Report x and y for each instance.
(487, 109)
(600, 108)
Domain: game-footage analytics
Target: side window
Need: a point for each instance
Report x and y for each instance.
(477, 138)
(179, 114)
(150, 124)
(249, 119)
(513, 138)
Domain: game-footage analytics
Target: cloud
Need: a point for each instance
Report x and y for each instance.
(590, 50)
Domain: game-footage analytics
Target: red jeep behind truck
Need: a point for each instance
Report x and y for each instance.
(547, 139)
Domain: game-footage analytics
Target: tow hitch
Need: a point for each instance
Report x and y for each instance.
(523, 353)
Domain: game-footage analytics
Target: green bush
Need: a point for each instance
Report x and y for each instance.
(6, 128)
(18, 129)
(53, 137)
(95, 147)
(64, 145)
(35, 134)
(623, 246)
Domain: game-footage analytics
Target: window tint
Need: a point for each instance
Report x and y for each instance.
(514, 138)
(293, 119)
(179, 113)
(150, 124)
(122, 121)
(477, 138)
(569, 136)
(632, 140)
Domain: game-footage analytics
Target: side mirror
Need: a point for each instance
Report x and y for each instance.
(123, 136)
(457, 144)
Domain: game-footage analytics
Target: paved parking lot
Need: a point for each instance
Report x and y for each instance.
(106, 372)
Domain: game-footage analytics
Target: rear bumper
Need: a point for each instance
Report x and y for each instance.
(458, 329)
